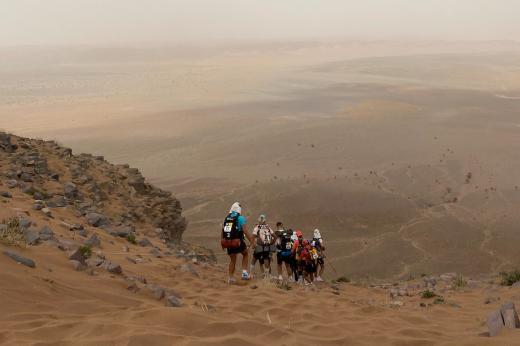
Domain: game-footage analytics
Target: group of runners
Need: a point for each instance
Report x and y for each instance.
(303, 259)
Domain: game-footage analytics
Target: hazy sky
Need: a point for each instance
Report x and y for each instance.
(122, 21)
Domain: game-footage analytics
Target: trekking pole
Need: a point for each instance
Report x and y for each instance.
(334, 269)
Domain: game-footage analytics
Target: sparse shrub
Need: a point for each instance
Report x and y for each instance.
(131, 238)
(284, 286)
(86, 251)
(439, 300)
(428, 294)
(459, 281)
(510, 278)
(11, 233)
(343, 279)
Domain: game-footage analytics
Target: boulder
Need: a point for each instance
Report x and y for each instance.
(173, 301)
(144, 242)
(31, 238)
(20, 259)
(97, 220)
(189, 268)
(25, 222)
(70, 190)
(46, 233)
(77, 255)
(26, 177)
(156, 291)
(509, 315)
(93, 241)
(114, 268)
(94, 261)
(495, 323)
(77, 265)
(6, 194)
(11, 183)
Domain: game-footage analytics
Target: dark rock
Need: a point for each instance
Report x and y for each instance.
(144, 242)
(20, 259)
(25, 222)
(83, 233)
(54, 176)
(6, 194)
(26, 177)
(32, 238)
(189, 268)
(97, 220)
(156, 291)
(57, 202)
(77, 265)
(77, 255)
(495, 323)
(37, 206)
(94, 261)
(114, 268)
(173, 301)
(156, 253)
(11, 183)
(132, 287)
(70, 191)
(93, 241)
(509, 315)
(46, 233)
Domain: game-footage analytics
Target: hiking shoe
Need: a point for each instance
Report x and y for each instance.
(245, 276)
(231, 281)
(280, 278)
(319, 279)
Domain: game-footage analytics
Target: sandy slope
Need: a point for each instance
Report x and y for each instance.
(55, 305)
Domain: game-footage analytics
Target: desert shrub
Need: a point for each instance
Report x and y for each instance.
(86, 251)
(131, 238)
(510, 278)
(459, 281)
(284, 286)
(428, 294)
(11, 233)
(343, 279)
(439, 300)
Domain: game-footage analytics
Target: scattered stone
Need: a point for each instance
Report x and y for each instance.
(132, 287)
(37, 206)
(144, 242)
(47, 212)
(11, 183)
(125, 248)
(31, 238)
(495, 323)
(156, 291)
(114, 268)
(77, 255)
(20, 259)
(93, 241)
(396, 304)
(25, 222)
(509, 315)
(96, 220)
(94, 261)
(189, 268)
(46, 233)
(156, 253)
(70, 191)
(77, 265)
(173, 301)
(6, 194)
(253, 287)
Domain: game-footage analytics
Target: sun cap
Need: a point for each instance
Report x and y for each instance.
(262, 218)
(299, 233)
(236, 208)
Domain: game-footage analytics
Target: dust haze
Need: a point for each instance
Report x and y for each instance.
(398, 138)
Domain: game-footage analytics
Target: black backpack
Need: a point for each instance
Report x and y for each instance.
(230, 227)
(286, 242)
